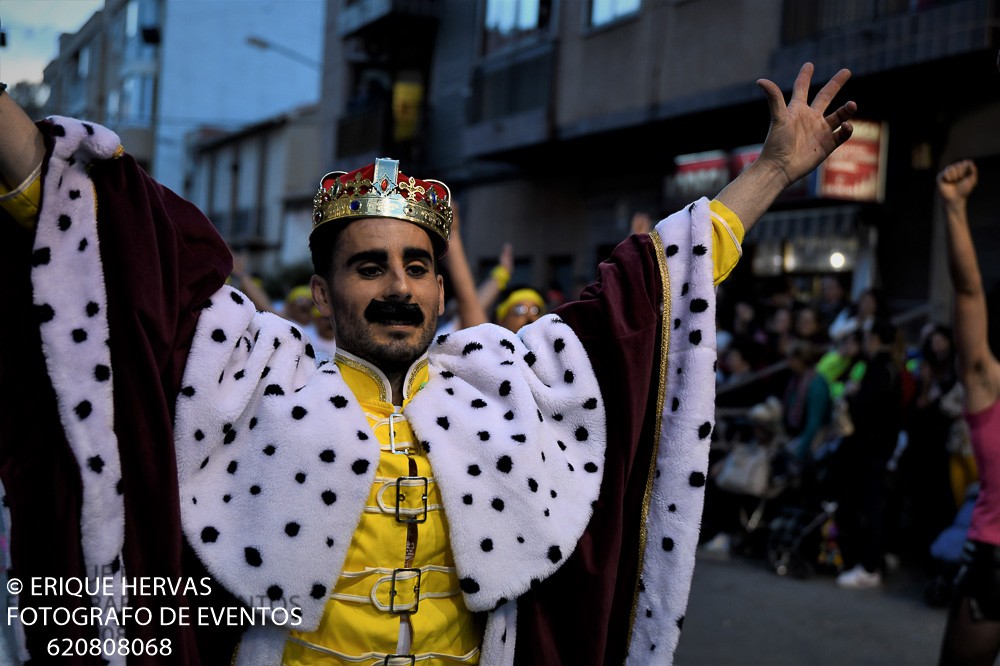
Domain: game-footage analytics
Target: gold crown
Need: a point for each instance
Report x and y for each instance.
(380, 190)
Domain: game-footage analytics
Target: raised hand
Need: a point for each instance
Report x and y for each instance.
(802, 135)
(956, 181)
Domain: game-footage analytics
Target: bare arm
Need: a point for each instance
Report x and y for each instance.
(978, 368)
(248, 286)
(470, 312)
(21, 145)
(799, 139)
(491, 288)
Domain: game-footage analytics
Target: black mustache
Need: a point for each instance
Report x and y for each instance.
(382, 312)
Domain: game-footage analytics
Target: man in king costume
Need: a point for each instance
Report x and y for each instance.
(480, 497)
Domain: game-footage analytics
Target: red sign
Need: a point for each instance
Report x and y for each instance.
(856, 170)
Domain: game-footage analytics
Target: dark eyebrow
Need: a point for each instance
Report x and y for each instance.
(376, 256)
(419, 254)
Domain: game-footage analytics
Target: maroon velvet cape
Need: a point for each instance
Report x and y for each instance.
(161, 259)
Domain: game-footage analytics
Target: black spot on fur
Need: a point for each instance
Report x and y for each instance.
(699, 305)
(274, 389)
(505, 464)
(581, 434)
(318, 591)
(443, 422)
(233, 465)
(41, 256)
(209, 535)
(704, 430)
(671, 250)
(359, 466)
(298, 412)
(474, 470)
(252, 556)
(471, 347)
(484, 436)
(558, 345)
(668, 544)
(95, 463)
(79, 335)
(44, 313)
(469, 585)
(568, 377)
(497, 504)
(699, 250)
(292, 529)
(329, 497)
(695, 337)
(467, 499)
(533, 485)
(590, 467)
(339, 401)
(520, 439)
(504, 388)
(555, 554)
(478, 403)
(327, 455)
(83, 409)
(529, 358)
(697, 479)
(486, 545)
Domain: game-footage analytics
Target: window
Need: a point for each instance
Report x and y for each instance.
(510, 22)
(83, 63)
(136, 102)
(606, 11)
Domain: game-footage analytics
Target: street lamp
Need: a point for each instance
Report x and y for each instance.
(265, 45)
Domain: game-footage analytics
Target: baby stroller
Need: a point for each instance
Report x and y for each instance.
(801, 536)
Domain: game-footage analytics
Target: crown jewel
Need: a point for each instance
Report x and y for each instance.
(380, 190)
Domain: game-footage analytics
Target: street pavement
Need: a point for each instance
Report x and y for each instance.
(742, 614)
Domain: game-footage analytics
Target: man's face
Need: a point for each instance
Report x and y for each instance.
(383, 295)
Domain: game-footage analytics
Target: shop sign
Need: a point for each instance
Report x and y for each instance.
(856, 170)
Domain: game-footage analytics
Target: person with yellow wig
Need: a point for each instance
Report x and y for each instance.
(521, 307)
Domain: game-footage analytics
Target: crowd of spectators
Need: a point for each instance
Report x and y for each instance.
(873, 413)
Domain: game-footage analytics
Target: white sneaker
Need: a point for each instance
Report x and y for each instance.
(859, 578)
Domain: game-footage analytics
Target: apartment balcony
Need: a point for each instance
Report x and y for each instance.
(882, 35)
(358, 16)
(511, 102)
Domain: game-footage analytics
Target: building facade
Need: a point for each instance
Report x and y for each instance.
(155, 70)
(555, 121)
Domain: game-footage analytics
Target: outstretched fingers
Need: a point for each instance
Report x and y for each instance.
(841, 115)
(775, 98)
(800, 89)
(830, 90)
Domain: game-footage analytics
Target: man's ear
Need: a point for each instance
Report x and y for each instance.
(440, 295)
(321, 295)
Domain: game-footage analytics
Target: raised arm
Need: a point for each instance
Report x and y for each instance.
(470, 311)
(978, 368)
(801, 136)
(21, 145)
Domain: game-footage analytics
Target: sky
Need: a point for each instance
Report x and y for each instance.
(32, 29)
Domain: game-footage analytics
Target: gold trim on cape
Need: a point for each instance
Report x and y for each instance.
(661, 263)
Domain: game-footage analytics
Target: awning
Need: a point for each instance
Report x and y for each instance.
(825, 222)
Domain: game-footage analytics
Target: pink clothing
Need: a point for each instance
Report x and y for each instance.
(984, 430)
